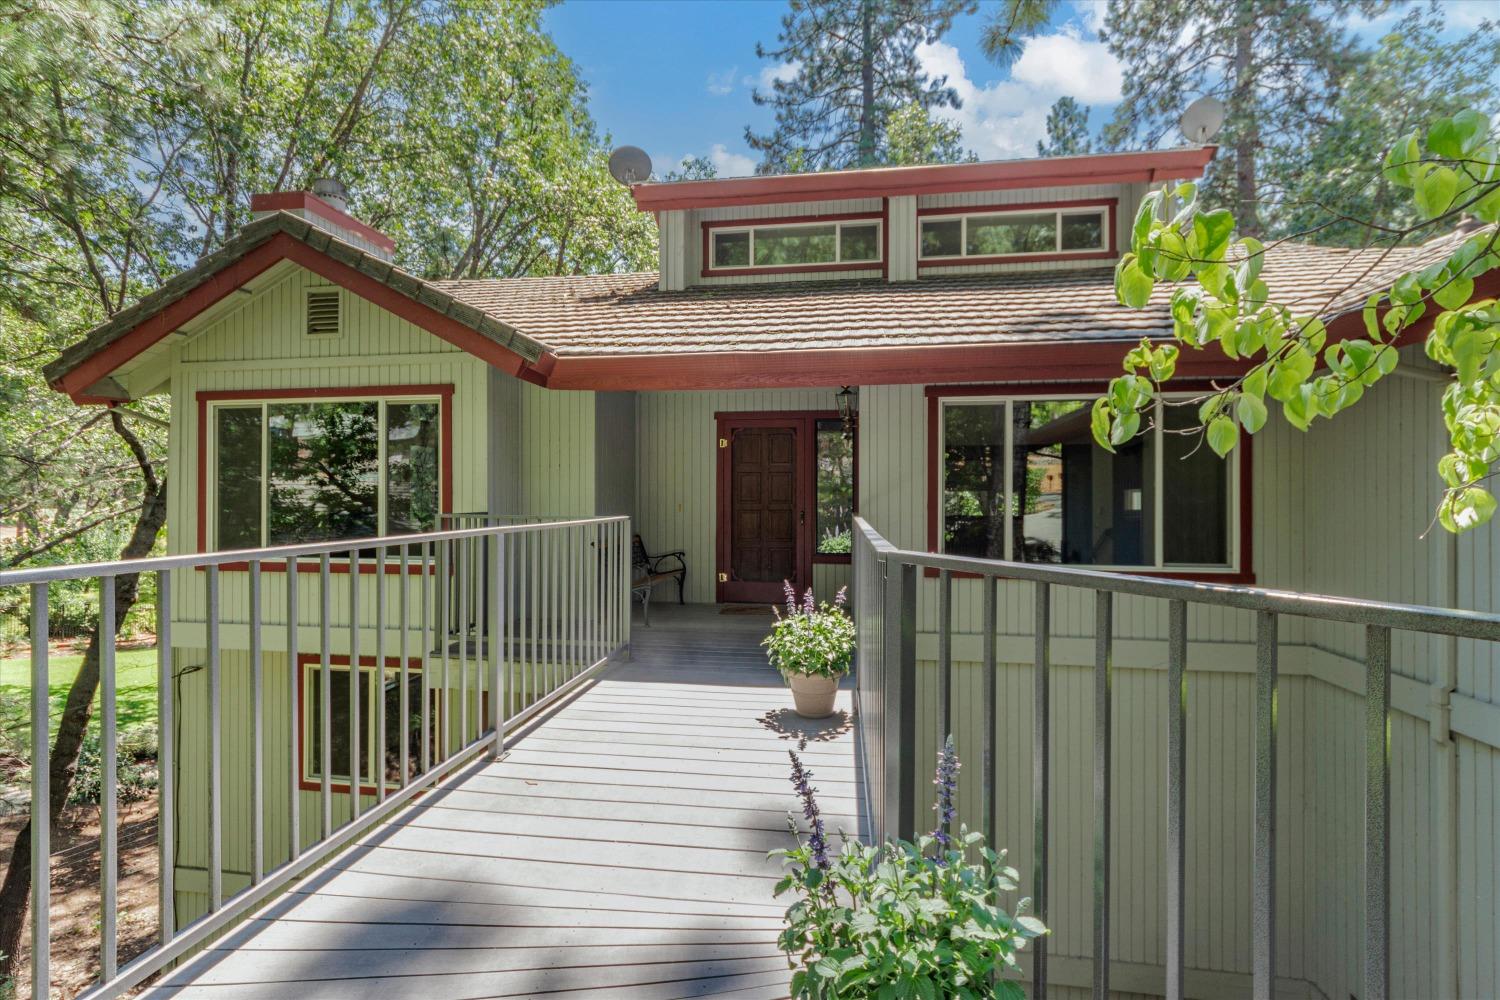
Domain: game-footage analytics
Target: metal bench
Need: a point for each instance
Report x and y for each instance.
(646, 571)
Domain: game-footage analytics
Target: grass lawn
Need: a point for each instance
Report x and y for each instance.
(135, 681)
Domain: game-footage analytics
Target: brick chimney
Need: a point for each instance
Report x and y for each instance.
(327, 207)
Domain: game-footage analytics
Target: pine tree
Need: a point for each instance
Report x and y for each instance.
(1276, 64)
(855, 65)
(1067, 130)
(915, 136)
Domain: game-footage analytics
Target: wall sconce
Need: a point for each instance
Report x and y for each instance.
(848, 400)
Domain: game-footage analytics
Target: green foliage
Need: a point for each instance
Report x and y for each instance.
(1067, 130)
(135, 767)
(1010, 23)
(855, 68)
(818, 641)
(913, 136)
(1451, 168)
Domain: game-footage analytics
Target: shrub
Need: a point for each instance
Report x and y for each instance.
(810, 638)
(902, 920)
(135, 766)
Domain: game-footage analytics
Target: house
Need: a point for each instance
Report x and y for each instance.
(918, 344)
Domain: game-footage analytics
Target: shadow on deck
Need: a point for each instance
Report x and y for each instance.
(619, 850)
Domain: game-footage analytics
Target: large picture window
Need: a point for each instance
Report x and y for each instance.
(311, 470)
(954, 237)
(1022, 479)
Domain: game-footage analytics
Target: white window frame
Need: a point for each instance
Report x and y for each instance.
(368, 722)
(1158, 563)
(1104, 212)
(211, 429)
(716, 231)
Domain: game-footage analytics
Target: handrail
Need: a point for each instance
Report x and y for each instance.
(506, 620)
(885, 608)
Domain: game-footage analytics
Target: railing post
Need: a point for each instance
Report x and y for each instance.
(1103, 730)
(1263, 929)
(166, 753)
(495, 640)
(257, 743)
(1176, 794)
(215, 749)
(109, 858)
(990, 619)
(41, 800)
(899, 663)
(1041, 749)
(1377, 812)
(294, 720)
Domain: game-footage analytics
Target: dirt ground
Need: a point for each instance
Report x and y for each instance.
(75, 894)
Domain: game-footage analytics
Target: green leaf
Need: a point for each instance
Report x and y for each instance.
(1434, 189)
(1125, 428)
(1132, 285)
(1401, 161)
(1145, 216)
(1099, 423)
(1454, 293)
(1211, 232)
(1164, 362)
(1251, 411)
(1222, 435)
(1466, 509)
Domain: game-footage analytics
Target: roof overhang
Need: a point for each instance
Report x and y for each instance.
(1057, 171)
(83, 368)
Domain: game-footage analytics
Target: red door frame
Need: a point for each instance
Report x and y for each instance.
(805, 423)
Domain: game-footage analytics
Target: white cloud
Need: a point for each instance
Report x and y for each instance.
(1006, 118)
(720, 84)
(729, 163)
(770, 74)
(1091, 15)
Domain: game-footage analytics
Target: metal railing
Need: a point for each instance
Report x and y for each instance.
(559, 592)
(885, 607)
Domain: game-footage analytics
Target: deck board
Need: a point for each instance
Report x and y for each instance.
(618, 851)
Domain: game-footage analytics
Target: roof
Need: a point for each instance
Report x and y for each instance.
(254, 248)
(625, 314)
(1143, 167)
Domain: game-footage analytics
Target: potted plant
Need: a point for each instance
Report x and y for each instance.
(812, 645)
(900, 920)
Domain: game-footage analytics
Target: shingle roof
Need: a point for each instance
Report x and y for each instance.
(623, 314)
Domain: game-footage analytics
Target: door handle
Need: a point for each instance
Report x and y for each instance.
(801, 518)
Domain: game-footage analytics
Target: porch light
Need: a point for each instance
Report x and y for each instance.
(848, 400)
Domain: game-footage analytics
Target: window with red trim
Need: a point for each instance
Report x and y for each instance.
(307, 470)
(1021, 478)
(1022, 232)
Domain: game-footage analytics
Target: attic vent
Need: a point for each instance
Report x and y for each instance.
(323, 314)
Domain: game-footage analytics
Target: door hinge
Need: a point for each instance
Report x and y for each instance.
(723, 577)
(723, 442)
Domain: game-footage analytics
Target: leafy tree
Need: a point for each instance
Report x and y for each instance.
(1276, 64)
(1067, 130)
(1451, 170)
(1410, 78)
(914, 136)
(693, 168)
(1010, 23)
(855, 66)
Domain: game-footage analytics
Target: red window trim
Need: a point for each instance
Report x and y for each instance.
(707, 270)
(937, 393)
(1111, 208)
(444, 392)
(414, 663)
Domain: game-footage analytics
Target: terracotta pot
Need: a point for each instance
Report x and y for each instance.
(813, 695)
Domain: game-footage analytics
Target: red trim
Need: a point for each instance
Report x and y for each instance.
(1111, 208)
(1114, 168)
(707, 270)
(444, 392)
(280, 246)
(290, 201)
(885, 238)
(414, 663)
(935, 395)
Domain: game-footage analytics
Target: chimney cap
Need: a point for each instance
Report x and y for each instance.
(331, 190)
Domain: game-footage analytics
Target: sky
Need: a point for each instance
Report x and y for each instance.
(675, 77)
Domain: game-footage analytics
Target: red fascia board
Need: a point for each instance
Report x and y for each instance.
(1117, 168)
(290, 201)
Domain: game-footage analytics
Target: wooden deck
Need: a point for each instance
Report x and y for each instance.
(618, 851)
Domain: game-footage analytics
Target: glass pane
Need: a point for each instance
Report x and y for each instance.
(796, 245)
(394, 729)
(237, 487)
(324, 469)
(1195, 488)
(859, 242)
(991, 235)
(1083, 232)
(731, 249)
(942, 239)
(1080, 504)
(835, 513)
(974, 480)
(411, 467)
(338, 704)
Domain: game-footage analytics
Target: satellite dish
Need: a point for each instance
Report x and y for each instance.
(629, 165)
(1202, 120)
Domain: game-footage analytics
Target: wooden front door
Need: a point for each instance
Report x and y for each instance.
(763, 508)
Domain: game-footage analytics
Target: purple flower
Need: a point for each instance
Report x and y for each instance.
(791, 597)
(946, 780)
(817, 838)
(841, 596)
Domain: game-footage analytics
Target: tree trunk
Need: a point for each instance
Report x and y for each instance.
(15, 891)
(867, 84)
(1247, 137)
